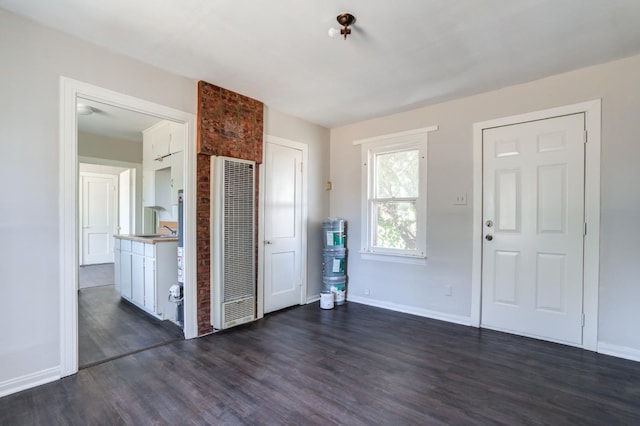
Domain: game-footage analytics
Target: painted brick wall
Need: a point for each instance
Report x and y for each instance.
(229, 125)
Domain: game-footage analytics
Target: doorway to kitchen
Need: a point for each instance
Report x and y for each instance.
(110, 153)
(72, 93)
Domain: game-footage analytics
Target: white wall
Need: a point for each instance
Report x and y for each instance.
(317, 139)
(98, 146)
(420, 289)
(35, 58)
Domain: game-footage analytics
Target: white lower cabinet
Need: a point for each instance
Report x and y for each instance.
(150, 284)
(137, 273)
(146, 271)
(125, 268)
(116, 257)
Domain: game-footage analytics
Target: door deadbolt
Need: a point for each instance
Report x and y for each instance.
(489, 223)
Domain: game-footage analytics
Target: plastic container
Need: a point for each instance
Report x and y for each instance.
(334, 262)
(326, 300)
(336, 285)
(333, 233)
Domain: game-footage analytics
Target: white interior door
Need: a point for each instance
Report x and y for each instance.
(282, 227)
(98, 217)
(124, 202)
(533, 224)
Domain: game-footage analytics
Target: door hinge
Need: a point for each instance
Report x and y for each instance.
(582, 321)
(585, 136)
(301, 167)
(585, 228)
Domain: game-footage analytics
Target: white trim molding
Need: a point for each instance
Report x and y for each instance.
(592, 112)
(440, 316)
(70, 91)
(29, 381)
(619, 351)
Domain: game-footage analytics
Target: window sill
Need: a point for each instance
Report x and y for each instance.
(394, 258)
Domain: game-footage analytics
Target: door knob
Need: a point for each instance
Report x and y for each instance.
(488, 237)
(268, 242)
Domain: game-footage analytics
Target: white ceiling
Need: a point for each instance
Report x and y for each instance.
(115, 122)
(402, 54)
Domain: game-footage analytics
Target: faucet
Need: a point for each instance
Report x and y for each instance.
(170, 230)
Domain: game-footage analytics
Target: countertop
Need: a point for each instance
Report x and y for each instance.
(149, 239)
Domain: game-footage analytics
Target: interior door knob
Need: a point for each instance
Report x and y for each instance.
(488, 237)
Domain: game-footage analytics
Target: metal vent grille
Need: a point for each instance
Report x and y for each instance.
(238, 312)
(238, 231)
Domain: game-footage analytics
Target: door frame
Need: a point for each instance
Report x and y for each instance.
(70, 91)
(591, 266)
(81, 176)
(303, 255)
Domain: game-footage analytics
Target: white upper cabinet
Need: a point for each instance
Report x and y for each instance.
(162, 147)
(163, 139)
(177, 137)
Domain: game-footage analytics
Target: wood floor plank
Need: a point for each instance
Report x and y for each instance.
(355, 365)
(109, 327)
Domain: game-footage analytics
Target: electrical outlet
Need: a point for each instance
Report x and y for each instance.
(448, 290)
(461, 199)
(367, 292)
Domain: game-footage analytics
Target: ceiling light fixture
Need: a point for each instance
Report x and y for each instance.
(346, 20)
(83, 109)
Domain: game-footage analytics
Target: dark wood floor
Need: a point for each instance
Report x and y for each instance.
(355, 365)
(110, 327)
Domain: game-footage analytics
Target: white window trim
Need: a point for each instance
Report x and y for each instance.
(416, 138)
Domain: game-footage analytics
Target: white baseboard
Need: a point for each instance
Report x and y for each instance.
(456, 319)
(619, 351)
(313, 299)
(29, 381)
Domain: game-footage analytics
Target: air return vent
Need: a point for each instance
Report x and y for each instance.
(232, 242)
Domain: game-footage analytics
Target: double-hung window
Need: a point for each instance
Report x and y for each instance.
(394, 204)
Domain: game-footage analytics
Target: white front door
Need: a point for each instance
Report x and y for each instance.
(98, 218)
(533, 228)
(282, 227)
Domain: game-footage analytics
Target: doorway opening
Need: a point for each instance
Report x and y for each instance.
(72, 93)
(110, 154)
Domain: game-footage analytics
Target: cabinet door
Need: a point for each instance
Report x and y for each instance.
(150, 284)
(125, 274)
(137, 279)
(178, 135)
(117, 256)
(160, 137)
(148, 187)
(177, 175)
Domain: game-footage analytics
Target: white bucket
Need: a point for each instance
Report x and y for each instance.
(326, 300)
(339, 292)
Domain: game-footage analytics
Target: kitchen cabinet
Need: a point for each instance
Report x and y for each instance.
(137, 273)
(177, 175)
(125, 268)
(148, 187)
(116, 269)
(162, 153)
(148, 267)
(177, 137)
(150, 281)
(164, 138)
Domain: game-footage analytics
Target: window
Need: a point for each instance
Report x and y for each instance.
(394, 204)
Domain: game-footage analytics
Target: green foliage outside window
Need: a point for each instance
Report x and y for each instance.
(394, 200)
